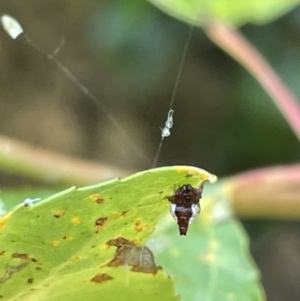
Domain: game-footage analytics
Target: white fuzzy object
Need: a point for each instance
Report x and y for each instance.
(11, 26)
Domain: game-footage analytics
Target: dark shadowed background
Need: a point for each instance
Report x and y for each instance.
(127, 53)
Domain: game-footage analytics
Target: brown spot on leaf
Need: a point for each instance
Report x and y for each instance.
(21, 256)
(59, 213)
(97, 198)
(101, 221)
(160, 192)
(101, 277)
(30, 280)
(140, 258)
(2, 253)
(38, 268)
(68, 237)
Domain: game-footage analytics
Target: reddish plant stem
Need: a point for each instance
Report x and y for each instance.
(235, 44)
(51, 167)
(266, 193)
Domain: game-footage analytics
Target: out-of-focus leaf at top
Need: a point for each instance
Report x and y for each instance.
(212, 262)
(237, 13)
(87, 243)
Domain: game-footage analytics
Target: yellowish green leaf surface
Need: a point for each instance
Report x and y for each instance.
(212, 262)
(60, 248)
(198, 12)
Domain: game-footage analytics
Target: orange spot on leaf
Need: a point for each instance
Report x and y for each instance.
(97, 198)
(55, 243)
(75, 220)
(59, 213)
(138, 226)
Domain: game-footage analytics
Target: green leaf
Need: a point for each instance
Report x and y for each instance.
(198, 12)
(212, 262)
(59, 248)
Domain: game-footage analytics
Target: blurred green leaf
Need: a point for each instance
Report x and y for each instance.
(12, 197)
(212, 262)
(57, 250)
(197, 12)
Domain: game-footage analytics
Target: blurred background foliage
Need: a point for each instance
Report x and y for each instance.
(128, 53)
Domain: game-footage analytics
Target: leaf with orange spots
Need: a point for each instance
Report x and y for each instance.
(88, 243)
(213, 260)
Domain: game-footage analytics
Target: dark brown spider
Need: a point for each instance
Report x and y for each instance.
(185, 205)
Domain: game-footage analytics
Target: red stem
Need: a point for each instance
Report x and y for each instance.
(235, 44)
(272, 192)
(51, 167)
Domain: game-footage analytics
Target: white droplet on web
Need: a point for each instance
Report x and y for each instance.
(11, 26)
(169, 122)
(165, 132)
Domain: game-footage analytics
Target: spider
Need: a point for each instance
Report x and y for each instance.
(185, 205)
